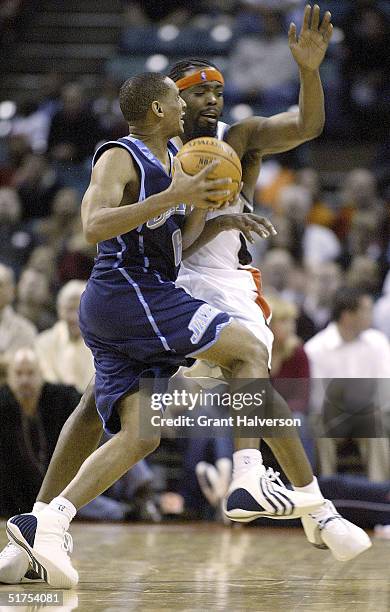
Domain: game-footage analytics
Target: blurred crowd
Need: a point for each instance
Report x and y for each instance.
(326, 273)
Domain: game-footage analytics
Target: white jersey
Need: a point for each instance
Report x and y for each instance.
(222, 251)
(213, 274)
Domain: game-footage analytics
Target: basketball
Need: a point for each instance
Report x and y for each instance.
(200, 152)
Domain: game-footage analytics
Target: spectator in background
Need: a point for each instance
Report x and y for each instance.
(15, 331)
(307, 242)
(10, 11)
(363, 274)
(359, 194)
(62, 232)
(367, 31)
(32, 123)
(16, 147)
(252, 74)
(41, 260)
(74, 130)
(107, 110)
(55, 230)
(276, 268)
(382, 309)
(62, 354)
(16, 238)
(289, 359)
(34, 300)
(37, 184)
(364, 237)
(322, 282)
(320, 213)
(349, 348)
(32, 415)
(290, 370)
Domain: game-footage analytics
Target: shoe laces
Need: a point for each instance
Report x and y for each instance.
(67, 543)
(10, 551)
(273, 476)
(325, 514)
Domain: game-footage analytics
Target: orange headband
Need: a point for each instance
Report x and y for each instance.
(197, 78)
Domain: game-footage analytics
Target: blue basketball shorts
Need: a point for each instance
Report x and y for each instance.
(139, 325)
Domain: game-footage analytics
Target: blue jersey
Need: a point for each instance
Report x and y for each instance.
(134, 319)
(156, 245)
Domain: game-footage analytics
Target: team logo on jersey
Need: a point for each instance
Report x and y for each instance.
(156, 222)
(201, 320)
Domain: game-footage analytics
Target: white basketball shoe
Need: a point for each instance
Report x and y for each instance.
(326, 528)
(45, 539)
(14, 564)
(259, 492)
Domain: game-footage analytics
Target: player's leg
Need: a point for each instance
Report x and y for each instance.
(241, 353)
(79, 437)
(324, 527)
(113, 459)
(42, 536)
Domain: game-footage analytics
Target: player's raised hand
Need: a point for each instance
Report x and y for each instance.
(199, 190)
(247, 224)
(310, 47)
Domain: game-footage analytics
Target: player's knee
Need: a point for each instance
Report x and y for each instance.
(148, 446)
(254, 352)
(86, 411)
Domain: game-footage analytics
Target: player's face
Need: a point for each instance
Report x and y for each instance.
(204, 108)
(174, 110)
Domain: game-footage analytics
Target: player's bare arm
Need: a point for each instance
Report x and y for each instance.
(246, 223)
(115, 181)
(288, 130)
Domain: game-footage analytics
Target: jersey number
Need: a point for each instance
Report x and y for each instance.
(177, 246)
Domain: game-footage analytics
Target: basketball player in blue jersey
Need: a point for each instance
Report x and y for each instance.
(136, 322)
(82, 432)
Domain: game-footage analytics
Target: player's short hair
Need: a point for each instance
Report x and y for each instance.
(137, 94)
(179, 69)
(346, 299)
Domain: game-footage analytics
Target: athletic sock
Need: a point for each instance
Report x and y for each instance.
(312, 488)
(38, 507)
(63, 507)
(244, 460)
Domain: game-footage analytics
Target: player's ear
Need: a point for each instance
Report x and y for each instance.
(157, 108)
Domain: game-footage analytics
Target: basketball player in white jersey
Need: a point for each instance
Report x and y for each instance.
(211, 268)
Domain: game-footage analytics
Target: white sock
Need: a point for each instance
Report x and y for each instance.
(244, 460)
(311, 488)
(62, 506)
(38, 507)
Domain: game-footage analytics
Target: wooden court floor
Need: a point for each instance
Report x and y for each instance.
(206, 567)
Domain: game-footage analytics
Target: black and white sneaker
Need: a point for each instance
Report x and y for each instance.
(259, 492)
(47, 544)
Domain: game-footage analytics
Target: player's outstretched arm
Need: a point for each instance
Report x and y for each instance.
(288, 130)
(114, 182)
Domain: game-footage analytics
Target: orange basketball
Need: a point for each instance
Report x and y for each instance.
(200, 152)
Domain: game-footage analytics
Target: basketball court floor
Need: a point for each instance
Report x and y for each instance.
(206, 567)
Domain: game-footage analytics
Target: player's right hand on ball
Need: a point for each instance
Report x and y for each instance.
(199, 190)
